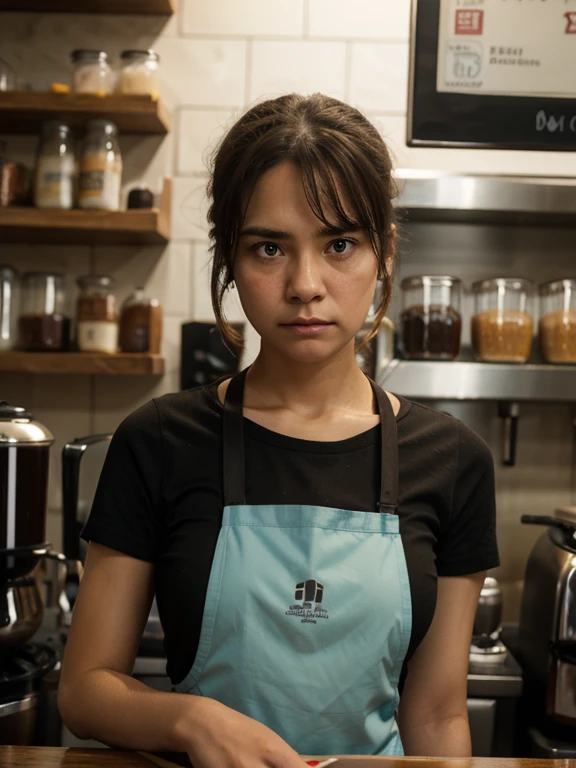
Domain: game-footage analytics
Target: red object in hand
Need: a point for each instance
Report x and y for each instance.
(313, 763)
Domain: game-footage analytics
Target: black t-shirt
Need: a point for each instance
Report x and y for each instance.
(160, 499)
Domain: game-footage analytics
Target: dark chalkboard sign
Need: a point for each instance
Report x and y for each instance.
(477, 120)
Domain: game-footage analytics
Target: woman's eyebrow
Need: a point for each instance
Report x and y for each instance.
(278, 234)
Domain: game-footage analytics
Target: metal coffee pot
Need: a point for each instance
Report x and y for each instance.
(24, 458)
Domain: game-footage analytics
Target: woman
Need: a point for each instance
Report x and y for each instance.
(315, 543)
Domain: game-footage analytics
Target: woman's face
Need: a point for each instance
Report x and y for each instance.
(305, 290)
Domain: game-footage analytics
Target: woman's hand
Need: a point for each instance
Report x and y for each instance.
(215, 736)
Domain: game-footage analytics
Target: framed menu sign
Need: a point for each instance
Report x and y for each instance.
(493, 73)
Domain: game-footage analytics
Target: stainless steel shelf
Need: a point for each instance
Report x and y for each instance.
(433, 380)
(445, 196)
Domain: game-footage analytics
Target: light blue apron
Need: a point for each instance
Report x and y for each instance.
(308, 611)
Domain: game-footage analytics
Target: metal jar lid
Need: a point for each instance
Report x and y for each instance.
(17, 427)
(417, 281)
(136, 53)
(87, 54)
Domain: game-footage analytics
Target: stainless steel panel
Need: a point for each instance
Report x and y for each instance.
(563, 683)
(427, 379)
(494, 685)
(481, 714)
(447, 196)
(20, 705)
(567, 607)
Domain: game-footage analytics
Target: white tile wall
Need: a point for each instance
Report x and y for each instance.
(199, 131)
(201, 302)
(217, 58)
(304, 67)
(202, 72)
(189, 208)
(361, 19)
(248, 18)
(379, 77)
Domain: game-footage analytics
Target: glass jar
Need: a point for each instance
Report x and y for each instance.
(100, 168)
(55, 167)
(141, 324)
(91, 73)
(557, 326)
(139, 73)
(7, 77)
(8, 306)
(431, 321)
(96, 320)
(502, 324)
(42, 325)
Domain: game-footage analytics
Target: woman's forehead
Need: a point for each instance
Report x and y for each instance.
(281, 191)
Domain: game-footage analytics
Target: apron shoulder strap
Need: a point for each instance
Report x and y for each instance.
(233, 442)
(233, 447)
(389, 452)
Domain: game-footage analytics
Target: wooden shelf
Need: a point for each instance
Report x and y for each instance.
(32, 225)
(25, 111)
(81, 363)
(75, 227)
(143, 7)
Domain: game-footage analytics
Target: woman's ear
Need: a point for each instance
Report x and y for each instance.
(390, 253)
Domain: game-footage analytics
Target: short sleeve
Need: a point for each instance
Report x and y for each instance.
(468, 543)
(125, 511)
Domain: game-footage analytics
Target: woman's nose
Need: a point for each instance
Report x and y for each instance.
(304, 279)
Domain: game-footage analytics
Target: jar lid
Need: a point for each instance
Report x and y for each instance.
(7, 272)
(101, 281)
(53, 125)
(135, 53)
(417, 281)
(106, 126)
(494, 283)
(40, 273)
(558, 286)
(86, 53)
(17, 426)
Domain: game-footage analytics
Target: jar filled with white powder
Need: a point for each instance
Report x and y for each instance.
(91, 73)
(139, 73)
(55, 171)
(100, 168)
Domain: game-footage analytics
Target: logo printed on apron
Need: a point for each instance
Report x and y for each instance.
(310, 594)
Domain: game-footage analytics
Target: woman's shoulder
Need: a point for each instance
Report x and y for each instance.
(163, 415)
(428, 427)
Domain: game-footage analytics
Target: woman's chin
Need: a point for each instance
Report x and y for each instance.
(310, 351)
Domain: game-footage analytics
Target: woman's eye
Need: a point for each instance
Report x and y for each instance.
(268, 250)
(341, 246)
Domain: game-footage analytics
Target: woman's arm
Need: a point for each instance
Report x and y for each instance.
(433, 715)
(97, 696)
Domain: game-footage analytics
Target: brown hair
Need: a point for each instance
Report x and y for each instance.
(327, 140)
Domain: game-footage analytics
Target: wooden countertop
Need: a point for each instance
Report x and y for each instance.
(56, 757)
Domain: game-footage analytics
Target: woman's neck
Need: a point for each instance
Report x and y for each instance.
(308, 389)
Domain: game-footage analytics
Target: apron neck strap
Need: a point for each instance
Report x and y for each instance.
(233, 447)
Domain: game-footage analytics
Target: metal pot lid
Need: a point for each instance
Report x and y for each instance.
(17, 427)
(490, 588)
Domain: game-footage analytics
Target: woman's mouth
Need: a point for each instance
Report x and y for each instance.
(307, 326)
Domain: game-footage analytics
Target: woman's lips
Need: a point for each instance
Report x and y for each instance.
(308, 329)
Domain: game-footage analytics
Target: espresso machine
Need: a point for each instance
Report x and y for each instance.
(547, 637)
(24, 459)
